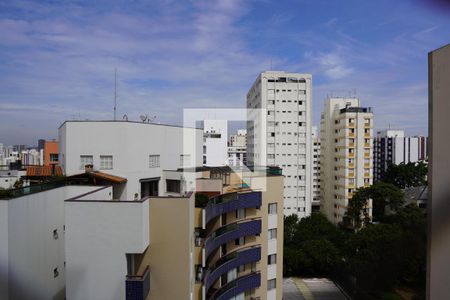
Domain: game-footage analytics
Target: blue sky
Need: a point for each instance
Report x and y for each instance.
(57, 58)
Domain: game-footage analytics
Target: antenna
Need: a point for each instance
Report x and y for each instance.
(115, 92)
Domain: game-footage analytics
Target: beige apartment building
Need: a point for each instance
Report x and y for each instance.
(346, 154)
(174, 247)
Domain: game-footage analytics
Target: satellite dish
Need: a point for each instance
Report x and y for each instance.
(143, 118)
(125, 117)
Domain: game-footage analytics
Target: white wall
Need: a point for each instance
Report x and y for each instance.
(98, 237)
(4, 257)
(130, 144)
(32, 251)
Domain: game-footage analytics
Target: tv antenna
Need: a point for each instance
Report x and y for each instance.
(115, 93)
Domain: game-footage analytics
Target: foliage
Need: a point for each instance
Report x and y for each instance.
(407, 175)
(357, 213)
(18, 184)
(201, 200)
(374, 260)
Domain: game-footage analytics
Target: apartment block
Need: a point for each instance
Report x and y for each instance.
(237, 149)
(229, 247)
(346, 154)
(136, 151)
(315, 193)
(279, 133)
(393, 147)
(438, 272)
(215, 137)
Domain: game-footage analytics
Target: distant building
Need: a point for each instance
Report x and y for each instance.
(279, 133)
(315, 142)
(51, 153)
(41, 143)
(215, 135)
(393, 147)
(237, 149)
(438, 270)
(346, 153)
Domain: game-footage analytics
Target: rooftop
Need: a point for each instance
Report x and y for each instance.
(124, 121)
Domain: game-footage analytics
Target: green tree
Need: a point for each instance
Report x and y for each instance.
(201, 200)
(385, 195)
(407, 175)
(357, 213)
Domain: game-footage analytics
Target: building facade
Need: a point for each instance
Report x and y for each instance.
(393, 147)
(315, 193)
(346, 154)
(279, 133)
(215, 136)
(237, 149)
(139, 152)
(51, 153)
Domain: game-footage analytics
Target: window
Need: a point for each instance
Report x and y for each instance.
(272, 234)
(272, 259)
(185, 159)
(106, 162)
(55, 272)
(241, 268)
(54, 157)
(239, 241)
(153, 161)
(272, 208)
(172, 186)
(240, 213)
(86, 160)
(271, 284)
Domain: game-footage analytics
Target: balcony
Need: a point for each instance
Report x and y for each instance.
(231, 232)
(138, 287)
(230, 202)
(231, 261)
(236, 287)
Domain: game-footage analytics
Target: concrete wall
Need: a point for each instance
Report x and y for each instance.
(99, 234)
(29, 252)
(170, 255)
(438, 273)
(216, 148)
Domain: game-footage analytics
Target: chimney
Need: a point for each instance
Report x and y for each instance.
(89, 168)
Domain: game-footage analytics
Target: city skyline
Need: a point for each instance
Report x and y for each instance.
(59, 59)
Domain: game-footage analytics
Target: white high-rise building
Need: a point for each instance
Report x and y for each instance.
(279, 133)
(237, 149)
(346, 154)
(215, 136)
(393, 147)
(315, 170)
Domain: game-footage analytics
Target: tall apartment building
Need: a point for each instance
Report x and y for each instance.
(393, 147)
(237, 149)
(315, 193)
(346, 153)
(215, 139)
(438, 271)
(279, 133)
(139, 152)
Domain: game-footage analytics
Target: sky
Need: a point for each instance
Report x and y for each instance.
(57, 58)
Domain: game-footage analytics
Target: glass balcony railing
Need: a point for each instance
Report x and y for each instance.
(230, 202)
(231, 232)
(231, 261)
(237, 286)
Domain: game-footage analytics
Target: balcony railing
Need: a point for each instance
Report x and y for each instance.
(138, 287)
(230, 202)
(231, 261)
(231, 232)
(238, 286)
